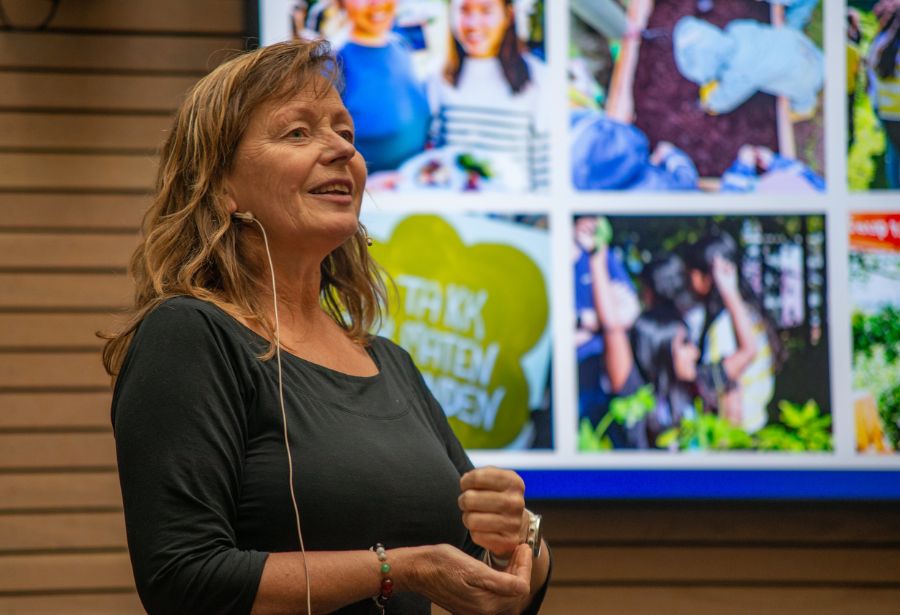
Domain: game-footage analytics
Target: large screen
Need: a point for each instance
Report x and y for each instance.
(640, 249)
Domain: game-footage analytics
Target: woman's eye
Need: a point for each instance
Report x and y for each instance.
(346, 135)
(297, 133)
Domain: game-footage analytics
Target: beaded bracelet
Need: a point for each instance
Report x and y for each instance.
(387, 584)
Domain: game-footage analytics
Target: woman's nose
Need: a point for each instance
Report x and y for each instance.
(338, 148)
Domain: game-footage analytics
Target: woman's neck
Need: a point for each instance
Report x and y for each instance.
(367, 39)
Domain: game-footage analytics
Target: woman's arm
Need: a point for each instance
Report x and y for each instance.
(442, 573)
(725, 278)
(617, 352)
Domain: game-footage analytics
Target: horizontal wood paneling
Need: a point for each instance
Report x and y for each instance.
(55, 410)
(84, 107)
(68, 531)
(612, 524)
(720, 600)
(59, 491)
(90, 132)
(19, 451)
(114, 15)
(57, 290)
(99, 211)
(30, 330)
(65, 572)
(52, 370)
(136, 93)
(72, 604)
(79, 172)
(67, 250)
(106, 52)
(712, 565)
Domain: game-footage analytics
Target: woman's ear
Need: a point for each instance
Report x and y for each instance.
(228, 198)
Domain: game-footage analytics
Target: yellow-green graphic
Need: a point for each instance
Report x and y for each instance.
(467, 314)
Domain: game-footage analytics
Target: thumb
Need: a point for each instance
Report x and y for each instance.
(520, 564)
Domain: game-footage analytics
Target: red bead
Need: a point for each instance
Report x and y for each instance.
(387, 593)
(387, 585)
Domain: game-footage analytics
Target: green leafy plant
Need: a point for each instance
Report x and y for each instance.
(879, 329)
(705, 432)
(889, 410)
(802, 428)
(869, 144)
(626, 411)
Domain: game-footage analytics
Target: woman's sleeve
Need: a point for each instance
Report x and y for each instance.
(180, 429)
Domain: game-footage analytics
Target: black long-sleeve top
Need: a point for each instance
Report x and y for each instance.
(204, 472)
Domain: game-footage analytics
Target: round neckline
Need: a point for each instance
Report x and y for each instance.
(369, 348)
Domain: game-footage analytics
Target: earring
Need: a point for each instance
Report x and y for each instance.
(365, 233)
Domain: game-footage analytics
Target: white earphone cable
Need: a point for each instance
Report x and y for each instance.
(287, 446)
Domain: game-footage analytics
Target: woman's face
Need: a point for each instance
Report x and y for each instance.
(297, 171)
(479, 25)
(701, 283)
(684, 356)
(371, 18)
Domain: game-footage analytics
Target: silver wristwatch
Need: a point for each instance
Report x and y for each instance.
(533, 537)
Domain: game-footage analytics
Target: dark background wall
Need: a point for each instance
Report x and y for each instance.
(83, 107)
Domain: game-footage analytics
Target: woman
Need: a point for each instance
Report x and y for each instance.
(735, 331)
(487, 102)
(667, 358)
(253, 248)
(375, 61)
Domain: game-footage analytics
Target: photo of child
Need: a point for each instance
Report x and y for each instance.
(873, 94)
(698, 94)
(445, 94)
(698, 333)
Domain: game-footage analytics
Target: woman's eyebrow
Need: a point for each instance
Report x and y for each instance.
(290, 112)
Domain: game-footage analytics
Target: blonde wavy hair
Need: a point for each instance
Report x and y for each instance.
(190, 245)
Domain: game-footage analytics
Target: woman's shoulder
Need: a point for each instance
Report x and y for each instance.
(386, 347)
(190, 322)
(184, 310)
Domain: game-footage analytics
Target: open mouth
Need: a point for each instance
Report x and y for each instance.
(340, 188)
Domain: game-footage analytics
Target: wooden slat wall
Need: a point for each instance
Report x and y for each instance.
(83, 107)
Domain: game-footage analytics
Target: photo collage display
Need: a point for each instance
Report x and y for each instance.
(635, 229)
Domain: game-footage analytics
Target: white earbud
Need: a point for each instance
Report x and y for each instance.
(246, 216)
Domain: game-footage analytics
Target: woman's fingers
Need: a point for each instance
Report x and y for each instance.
(493, 506)
(492, 479)
(521, 563)
(489, 523)
(462, 584)
(507, 584)
(491, 501)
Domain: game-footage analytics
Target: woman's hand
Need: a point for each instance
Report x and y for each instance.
(462, 584)
(724, 275)
(493, 506)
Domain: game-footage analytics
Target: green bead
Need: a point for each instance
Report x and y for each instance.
(385, 568)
